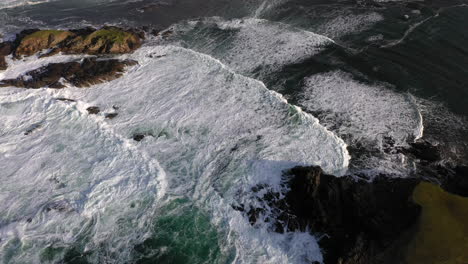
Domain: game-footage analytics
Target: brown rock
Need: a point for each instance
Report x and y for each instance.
(111, 115)
(80, 74)
(41, 40)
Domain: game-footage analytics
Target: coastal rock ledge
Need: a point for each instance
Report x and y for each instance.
(356, 221)
(107, 40)
(362, 222)
(386, 221)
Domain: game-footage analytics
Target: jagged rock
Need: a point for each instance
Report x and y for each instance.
(80, 74)
(425, 151)
(452, 177)
(361, 222)
(65, 99)
(93, 110)
(107, 40)
(40, 40)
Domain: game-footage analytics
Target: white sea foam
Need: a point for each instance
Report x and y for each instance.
(248, 45)
(19, 67)
(214, 133)
(68, 180)
(361, 111)
(16, 3)
(365, 115)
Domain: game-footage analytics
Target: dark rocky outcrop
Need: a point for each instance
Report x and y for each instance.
(104, 41)
(5, 49)
(93, 110)
(425, 151)
(360, 221)
(431, 166)
(110, 115)
(80, 74)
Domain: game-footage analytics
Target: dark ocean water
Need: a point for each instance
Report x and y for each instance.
(379, 72)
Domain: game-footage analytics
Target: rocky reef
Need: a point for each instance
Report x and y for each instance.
(363, 221)
(387, 220)
(83, 73)
(100, 43)
(107, 40)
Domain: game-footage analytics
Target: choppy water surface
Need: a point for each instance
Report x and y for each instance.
(240, 91)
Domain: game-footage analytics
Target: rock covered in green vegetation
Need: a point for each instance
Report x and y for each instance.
(107, 40)
(40, 40)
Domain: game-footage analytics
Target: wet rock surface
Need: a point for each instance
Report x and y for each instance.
(88, 72)
(107, 40)
(361, 220)
(111, 115)
(358, 221)
(431, 166)
(93, 110)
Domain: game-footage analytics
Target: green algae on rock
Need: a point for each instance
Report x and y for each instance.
(442, 237)
(107, 40)
(40, 40)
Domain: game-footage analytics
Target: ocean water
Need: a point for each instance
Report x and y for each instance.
(236, 94)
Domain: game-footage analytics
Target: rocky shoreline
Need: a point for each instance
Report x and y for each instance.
(100, 43)
(388, 220)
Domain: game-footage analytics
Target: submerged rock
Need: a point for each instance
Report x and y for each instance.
(93, 110)
(80, 74)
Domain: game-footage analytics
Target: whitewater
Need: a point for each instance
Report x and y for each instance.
(214, 133)
(74, 181)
